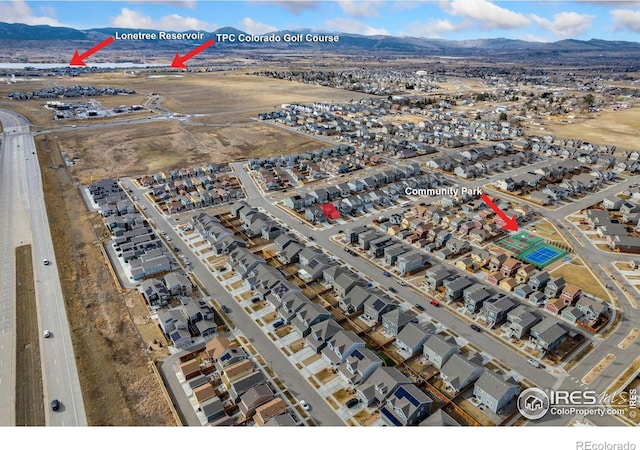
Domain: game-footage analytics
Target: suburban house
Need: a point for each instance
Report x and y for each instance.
(539, 281)
(495, 390)
(454, 287)
(340, 346)
(395, 320)
(321, 332)
(438, 350)
(376, 306)
(413, 336)
(436, 275)
(359, 365)
(548, 334)
(520, 320)
(253, 398)
(407, 405)
(496, 311)
(268, 410)
(461, 370)
(554, 287)
(380, 385)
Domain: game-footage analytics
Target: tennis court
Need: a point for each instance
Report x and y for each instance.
(542, 256)
(531, 249)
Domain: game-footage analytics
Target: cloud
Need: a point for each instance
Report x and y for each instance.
(626, 19)
(434, 28)
(565, 24)
(533, 38)
(353, 26)
(129, 18)
(297, 6)
(252, 27)
(359, 8)
(17, 11)
(485, 14)
(191, 4)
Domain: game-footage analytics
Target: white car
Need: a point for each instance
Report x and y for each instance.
(304, 405)
(45, 262)
(46, 334)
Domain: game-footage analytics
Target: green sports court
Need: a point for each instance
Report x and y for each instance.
(531, 249)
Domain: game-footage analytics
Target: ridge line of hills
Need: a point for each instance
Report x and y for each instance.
(407, 45)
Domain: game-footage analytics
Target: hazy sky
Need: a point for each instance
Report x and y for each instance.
(448, 19)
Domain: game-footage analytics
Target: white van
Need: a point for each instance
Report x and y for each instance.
(533, 362)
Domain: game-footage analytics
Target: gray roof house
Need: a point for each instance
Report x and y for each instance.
(474, 296)
(548, 334)
(321, 332)
(376, 306)
(408, 405)
(310, 314)
(436, 275)
(495, 390)
(354, 301)
(395, 320)
(521, 319)
(345, 282)
(454, 287)
(212, 408)
(340, 346)
(359, 365)
(413, 336)
(438, 350)
(411, 262)
(439, 419)
(242, 385)
(461, 370)
(380, 385)
(178, 284)
(496, 311)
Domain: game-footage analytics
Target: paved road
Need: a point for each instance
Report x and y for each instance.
(295, 383)
(498, 350)
(25, 221)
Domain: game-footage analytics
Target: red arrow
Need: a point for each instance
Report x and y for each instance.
(178, 62)
(510, 223)
(77, 60)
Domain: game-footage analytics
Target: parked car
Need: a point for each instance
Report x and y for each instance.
(256, 299)
(304, 405)
(475, 328)
(352, 402)
(386, 274)
(394, 290)
(278, 323)
(419, 306)
(402, 283)
(533, 362)
(435, 302)
(46, 334)
(226, 309)
(55, 404)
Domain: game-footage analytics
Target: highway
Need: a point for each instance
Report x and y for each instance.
(24, 220)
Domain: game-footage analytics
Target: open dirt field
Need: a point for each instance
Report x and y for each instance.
(118, 386)
(576, 273)
(619, 128)
(29, 406)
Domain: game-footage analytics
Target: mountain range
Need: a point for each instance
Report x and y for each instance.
(17, 33)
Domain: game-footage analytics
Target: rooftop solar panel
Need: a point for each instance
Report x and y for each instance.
(402, 393)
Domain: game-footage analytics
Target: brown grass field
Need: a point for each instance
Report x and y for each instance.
(29, 393)
(117, 383)
(619, 128)
(576, 273)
